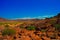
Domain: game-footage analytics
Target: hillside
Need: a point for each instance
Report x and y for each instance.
(32, 29)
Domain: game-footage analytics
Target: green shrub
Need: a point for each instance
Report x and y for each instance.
(8, 32)
(57, 27)
(31, 28)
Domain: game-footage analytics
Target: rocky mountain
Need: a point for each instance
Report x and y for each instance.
(3, 19)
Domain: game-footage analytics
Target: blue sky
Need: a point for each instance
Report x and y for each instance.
(28, 8)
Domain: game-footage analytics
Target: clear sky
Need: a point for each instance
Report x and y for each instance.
(28, 8)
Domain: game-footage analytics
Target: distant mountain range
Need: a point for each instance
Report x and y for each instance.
(3, 19)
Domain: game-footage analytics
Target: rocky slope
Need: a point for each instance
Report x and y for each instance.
(33, 29)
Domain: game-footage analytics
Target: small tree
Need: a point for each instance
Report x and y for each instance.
(8, 32)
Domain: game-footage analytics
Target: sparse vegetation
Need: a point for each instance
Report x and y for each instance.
(48, 28)
(31, 28)
(57, 27)
(6, 25)
(21, 27)
(0, 23)
(43, 30)
(52, 22)
(8, 32)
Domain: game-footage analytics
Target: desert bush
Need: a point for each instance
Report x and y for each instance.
(52, 22)
(43, 30)
(22, 27)
(31, 28)
(8, 32)
(57, 27)
(1, 23)
(6, 25)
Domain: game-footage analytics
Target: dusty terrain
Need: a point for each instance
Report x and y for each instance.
(32, 29)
